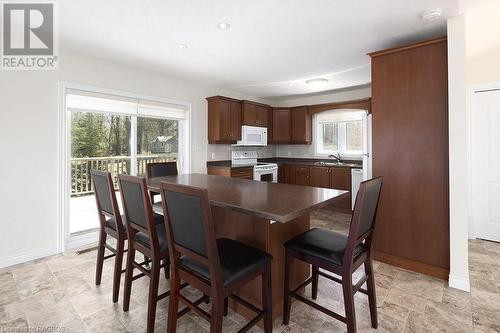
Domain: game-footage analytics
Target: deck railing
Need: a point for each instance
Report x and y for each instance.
(81, 181)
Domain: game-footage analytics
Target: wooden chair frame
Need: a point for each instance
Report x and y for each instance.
(119, 233)
(214, 289)
(159, 259)
(149, 173)
(349, 265)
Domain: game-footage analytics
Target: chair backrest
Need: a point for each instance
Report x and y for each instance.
(190, 230)
(137, 207)
(363, 218)
(161, 169)
(107, 206)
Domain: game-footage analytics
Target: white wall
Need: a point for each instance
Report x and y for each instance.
(320, 98)
(28, 141)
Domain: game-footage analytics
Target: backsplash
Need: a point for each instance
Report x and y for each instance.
(295, 151)
(220, 152)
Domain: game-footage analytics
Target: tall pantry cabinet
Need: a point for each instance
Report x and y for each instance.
(410, 149)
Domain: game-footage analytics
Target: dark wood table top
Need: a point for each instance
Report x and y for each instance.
(279, 202)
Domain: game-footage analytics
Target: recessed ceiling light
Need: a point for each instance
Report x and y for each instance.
(181, 46)
(316, 83)
(431, 15)
(224, 26)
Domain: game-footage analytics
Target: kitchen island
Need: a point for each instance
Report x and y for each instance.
(261, 214)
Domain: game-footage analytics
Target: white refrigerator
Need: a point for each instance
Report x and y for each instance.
(358, 175)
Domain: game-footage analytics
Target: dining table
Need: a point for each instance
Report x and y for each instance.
(261, 214)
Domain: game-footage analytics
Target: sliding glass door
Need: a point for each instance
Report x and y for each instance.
(119, 135)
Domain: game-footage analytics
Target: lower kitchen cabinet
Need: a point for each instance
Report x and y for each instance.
(302, 175)
(341, 180)
(318, 176)
(245, 173)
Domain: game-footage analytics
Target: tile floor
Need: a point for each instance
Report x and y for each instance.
(59, 292)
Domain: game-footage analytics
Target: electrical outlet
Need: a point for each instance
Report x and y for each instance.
(213, 155)
(289, 153)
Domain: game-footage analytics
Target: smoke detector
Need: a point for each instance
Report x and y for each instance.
(431, 15)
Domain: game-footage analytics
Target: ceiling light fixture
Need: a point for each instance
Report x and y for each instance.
(431, 15)
(181, 46)
(316, 83)
(223, 26)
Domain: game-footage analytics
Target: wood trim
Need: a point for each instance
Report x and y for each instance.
(255, 103)
(408, 46)
(416, 266)
(362, 104)
(224, 97)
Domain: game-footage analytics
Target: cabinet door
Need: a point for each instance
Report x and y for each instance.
(249, 114)
(341, 180)
(261, 115)
(225, 122)
(245, 173)
(235, 110)
(286, 174)
(270, 139)
(281, 126)
(301, 125)
(319, 177)
(302, 175)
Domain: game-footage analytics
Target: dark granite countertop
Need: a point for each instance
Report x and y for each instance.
(273, 201)
(287, 160)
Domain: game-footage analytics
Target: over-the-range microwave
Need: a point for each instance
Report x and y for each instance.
(253, 136)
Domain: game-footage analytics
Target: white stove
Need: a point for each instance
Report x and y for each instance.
(261, 171)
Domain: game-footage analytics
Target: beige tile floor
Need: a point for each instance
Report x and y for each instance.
(59, 292)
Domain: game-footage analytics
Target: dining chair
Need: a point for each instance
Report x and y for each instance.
(146, 234)
(216, 267)
(160, 169)
(339, 254)
(110, 223)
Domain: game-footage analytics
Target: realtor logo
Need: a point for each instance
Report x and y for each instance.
(29, 32)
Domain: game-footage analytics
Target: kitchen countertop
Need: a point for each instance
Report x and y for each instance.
(285, 160)
(273, 201)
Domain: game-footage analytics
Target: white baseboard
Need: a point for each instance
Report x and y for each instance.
(459, 282)
(27, 256)
(82, 240)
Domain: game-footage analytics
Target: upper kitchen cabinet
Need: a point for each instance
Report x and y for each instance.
(224, 120)
(282, 125)
(255, 114)
(301, 125)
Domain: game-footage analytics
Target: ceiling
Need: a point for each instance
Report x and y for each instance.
(271, 48)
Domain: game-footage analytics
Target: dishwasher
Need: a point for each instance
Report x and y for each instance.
(356, 178)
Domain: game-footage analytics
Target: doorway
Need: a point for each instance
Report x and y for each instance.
(485, 159)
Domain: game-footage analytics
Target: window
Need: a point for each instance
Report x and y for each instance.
(339, 132)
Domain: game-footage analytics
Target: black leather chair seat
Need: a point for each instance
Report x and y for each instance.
(324, 244)
(160, 231)
(111, 223)
(237, 261)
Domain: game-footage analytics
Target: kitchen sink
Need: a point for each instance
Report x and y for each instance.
(336, 164)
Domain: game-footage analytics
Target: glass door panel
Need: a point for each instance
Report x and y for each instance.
(157, 141)
(99, 141)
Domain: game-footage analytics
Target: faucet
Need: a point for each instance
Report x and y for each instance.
(336, 157)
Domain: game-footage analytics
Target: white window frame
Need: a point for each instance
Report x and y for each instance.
(64, 239)
(342, 133)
